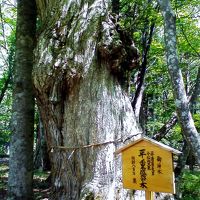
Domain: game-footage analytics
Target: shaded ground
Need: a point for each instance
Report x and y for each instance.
(41, 186)
(190, 185)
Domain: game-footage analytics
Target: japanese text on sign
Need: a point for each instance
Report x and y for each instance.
(147, 164)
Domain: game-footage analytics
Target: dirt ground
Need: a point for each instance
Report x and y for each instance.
(41, 188)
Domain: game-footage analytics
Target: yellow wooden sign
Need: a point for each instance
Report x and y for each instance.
(148, 165)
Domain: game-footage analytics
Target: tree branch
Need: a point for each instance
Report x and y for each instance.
(140, 79)
(166, 128)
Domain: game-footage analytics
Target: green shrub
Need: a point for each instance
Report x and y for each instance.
(190, 185)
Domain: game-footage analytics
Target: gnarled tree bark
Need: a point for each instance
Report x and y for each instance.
(81, 71)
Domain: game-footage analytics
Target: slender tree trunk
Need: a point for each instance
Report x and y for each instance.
(144, 113)
(179, 169)
(21, 150)
(196, 92)
(115, 6)
(181, 102)
(146, 44)
(80, 76)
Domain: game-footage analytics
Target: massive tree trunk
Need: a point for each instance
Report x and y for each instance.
(21, 149)
(80, 77)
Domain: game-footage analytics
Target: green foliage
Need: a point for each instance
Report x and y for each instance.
(137, 15)
(158, 101)
(190, 183)
(7, 52)
(5, 114)
(196, 118)
(174, 137)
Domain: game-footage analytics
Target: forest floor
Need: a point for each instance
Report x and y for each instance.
(41, 187)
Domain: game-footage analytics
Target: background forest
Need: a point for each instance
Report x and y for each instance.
(151, 92)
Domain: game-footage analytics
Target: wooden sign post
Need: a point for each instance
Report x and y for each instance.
(148, 165)
(148, 195)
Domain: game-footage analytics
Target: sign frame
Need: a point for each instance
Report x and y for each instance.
(137, 155)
